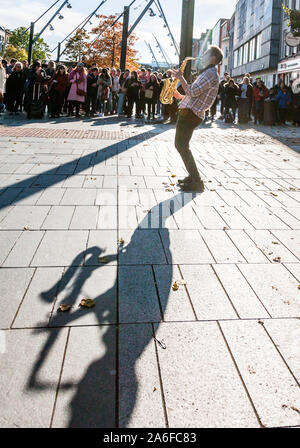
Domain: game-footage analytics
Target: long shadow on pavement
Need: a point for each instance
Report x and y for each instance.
(100, 400)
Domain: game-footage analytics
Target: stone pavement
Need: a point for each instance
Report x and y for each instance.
(89, 209)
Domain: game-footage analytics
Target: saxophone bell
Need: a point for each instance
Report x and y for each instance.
(170, 87)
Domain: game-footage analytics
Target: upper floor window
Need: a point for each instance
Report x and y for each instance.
(258, 46)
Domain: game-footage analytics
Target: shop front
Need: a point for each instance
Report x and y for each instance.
(289, 70)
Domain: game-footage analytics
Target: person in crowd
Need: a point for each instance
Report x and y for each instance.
(122, 103)
(144, 80)
(133, 86)
(51, 69)
(10, 67)
(231, 91)
(104, 86)
(170, 111)
(222, 93)
(245, 101)
(2, 86)
(296, 108)
(260, 93)
(92, 89)
(151, 96)
(58, 89)
(115, 87)
(78, 89)
(37, 81)
(284, 101)
(15, 89)
(25, 67)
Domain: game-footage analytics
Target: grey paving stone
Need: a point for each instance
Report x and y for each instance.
(286, 335)
(49, 180)
(58, 218)
(138, 301)
(93, 182)
(140, 402)
(61, 248)
(246, 246)
(196, 394)
(275, 287)
(24, 249)
(25, 216)
(290, 239)
(76, 196)
(262, 218)
(9, 195)
(240, 293)
(185, 247)
(90, 402)
(75, 181)
(265, 240)
(107, 196)
(127, 217)
(176, 305)
(207, 294)
(130, 252)
(39, 299)
(7, 241)
(209, 217)
(101, 243)
(294, 268)
(13, 287)
(221, 247)
(97, 283)
(51, 196)
(29, 196)
(107, 218)
(287, 216)
(27, 401)
(270, 384)
(132, 182)
(85, 217)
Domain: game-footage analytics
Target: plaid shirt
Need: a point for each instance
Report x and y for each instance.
(201, 95)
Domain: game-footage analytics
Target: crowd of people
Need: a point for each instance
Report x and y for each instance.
(249, 99)
(82, 91)
(99, 91)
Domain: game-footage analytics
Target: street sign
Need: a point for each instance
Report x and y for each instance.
(291, 40)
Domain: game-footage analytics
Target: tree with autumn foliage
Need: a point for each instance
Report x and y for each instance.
(105, 46)
(76, 46)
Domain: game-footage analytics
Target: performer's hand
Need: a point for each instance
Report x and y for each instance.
(177, 74)
(178, 95)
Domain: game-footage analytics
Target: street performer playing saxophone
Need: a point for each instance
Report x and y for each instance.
(198, 98)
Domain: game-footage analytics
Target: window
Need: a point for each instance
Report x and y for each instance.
(240, 56)
(235, 61)
(252, 50)
(246, 50)
(258, 46)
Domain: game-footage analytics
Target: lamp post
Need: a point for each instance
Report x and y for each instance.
(187, 28)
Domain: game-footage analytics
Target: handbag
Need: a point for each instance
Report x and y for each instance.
(149, 94)
(80, 92)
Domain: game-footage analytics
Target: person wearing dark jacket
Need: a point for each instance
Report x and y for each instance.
(260, 93)
(284, 100)
(133, 86)
(92, 89)
(231, 91)
(58, 91)
(15, 89)
(222, 92)
(35, 84)
(151, 95)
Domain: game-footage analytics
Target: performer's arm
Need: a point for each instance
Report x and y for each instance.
(178, 95)
(202, 83)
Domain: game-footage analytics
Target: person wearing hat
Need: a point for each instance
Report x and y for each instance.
(78, 90)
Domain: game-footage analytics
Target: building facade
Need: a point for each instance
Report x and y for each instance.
(224, 45)
(4, 39)
(200, 47)
(289, 57)
(256, 39)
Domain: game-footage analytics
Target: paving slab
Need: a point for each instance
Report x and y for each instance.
(27, 395)
(271, 386)
(7, 241)
(24, 249)
(196, 394)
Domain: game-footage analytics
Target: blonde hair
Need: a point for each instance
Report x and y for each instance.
(18, 63)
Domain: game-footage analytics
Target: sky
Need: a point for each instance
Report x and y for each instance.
(207, 13)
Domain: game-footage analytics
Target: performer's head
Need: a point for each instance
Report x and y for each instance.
(213, 56)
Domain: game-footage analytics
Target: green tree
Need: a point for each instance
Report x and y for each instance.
(20, 39)
(12, 52)
(76, 45)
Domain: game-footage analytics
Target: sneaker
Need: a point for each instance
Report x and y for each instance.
(186, 180)
(194, 186)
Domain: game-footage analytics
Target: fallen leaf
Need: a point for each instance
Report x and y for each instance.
(64, 308)
(277, 259)
(121, 241)
(175, 286)
(26, 228)
(87, 303)
(154, 389)
(275, 242)
(173, 175)
(104, 259)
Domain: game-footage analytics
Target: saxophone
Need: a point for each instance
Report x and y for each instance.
(170, 87)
